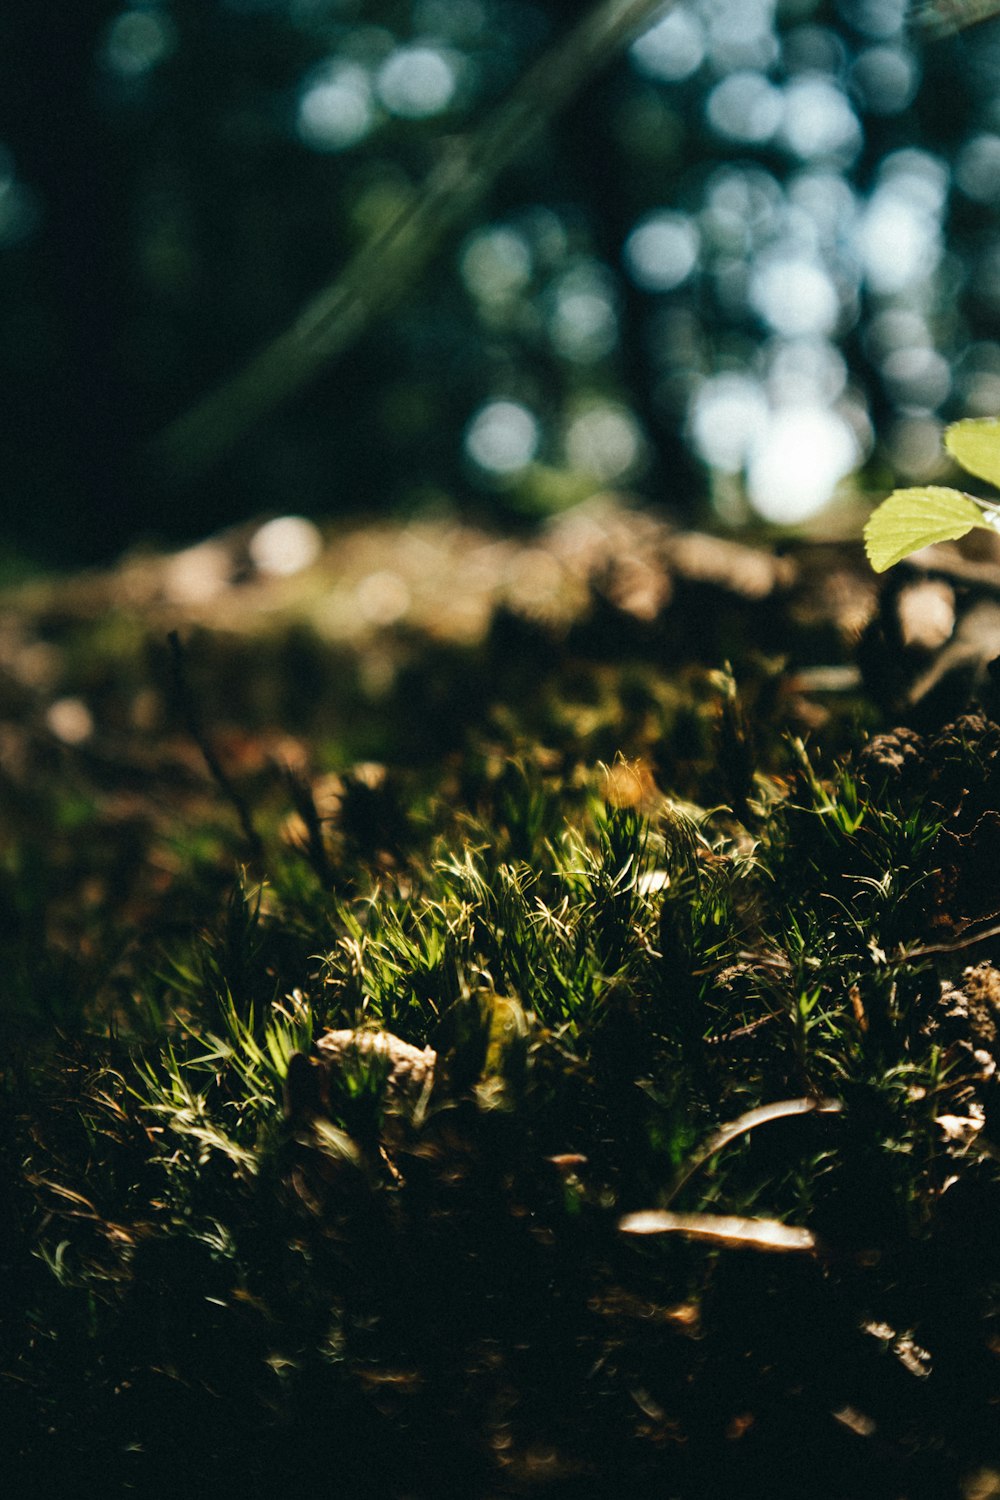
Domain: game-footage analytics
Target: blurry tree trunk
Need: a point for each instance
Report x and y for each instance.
(384, 267)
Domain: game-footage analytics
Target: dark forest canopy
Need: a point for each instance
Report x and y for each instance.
(755, 253)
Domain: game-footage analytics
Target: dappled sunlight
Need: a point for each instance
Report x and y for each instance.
(559, 1074)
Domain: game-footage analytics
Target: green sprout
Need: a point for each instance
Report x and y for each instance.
(911, 519)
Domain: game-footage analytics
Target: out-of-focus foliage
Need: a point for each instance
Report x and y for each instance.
(764, 234)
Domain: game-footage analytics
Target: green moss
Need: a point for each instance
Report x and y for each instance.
(609, 962)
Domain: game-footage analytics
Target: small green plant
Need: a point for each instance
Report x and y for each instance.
(911, 519)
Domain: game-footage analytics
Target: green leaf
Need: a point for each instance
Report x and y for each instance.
(975, 443)
(911, 519)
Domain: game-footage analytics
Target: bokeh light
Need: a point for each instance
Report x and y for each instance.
(496, 263)
(826, 200)
(70, 720)
(809, 48)
(913, 446)
(382, 597)
(603, 441)
(741, 36)
(917, 377)
(874, 18)
(137, 41)
(885, 79)
(197, 575)
(977, 168)
(899, 237)
(502, 438)
(583, 324)
(673, 49)
(458, 20)
(808, 370)
(726, 415)
(797, 460)
(794, 294)
(978, 378)
(818, 121)
(285, 545)
(337, 107)
(417, 82)
(769, 224)
(745, 107)
(662, 251)
(20, 209)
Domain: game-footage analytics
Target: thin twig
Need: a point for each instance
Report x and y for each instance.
(305, 805)
(784, 1109)
(196, 729)
(750, 1029)
(383, 268)
(955, 947)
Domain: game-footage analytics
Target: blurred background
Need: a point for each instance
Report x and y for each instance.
(749, 271)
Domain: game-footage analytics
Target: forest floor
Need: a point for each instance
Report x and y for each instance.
(496, 1016)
